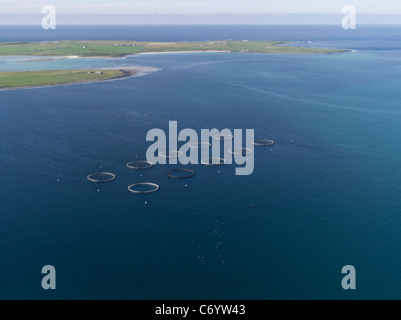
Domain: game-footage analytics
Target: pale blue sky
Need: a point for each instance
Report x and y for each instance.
(200, 6)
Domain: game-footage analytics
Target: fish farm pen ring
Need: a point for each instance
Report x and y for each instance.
(171, 154)
(139, 165)
(213, 162)
(175, 174)
(224, 137)
(101, 177)
(243, 151)
(200, 145)
(263, 142)
(134, 188)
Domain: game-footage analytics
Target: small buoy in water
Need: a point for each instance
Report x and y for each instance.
(98, 190)
(218, 171)
(146, 202)
(186, 185)
(58, 180)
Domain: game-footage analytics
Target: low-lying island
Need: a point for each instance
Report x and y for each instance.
(118, 49)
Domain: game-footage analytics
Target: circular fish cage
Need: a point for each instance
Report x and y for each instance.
(180, 174)
(213, 162)
(263, 142)
(200, 145)
(241, 151)
(139, 165)
(143, 188)
(101, 177)
(171, 154)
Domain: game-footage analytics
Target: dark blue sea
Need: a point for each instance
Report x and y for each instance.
(326, 195)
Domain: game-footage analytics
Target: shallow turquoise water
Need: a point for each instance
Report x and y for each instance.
(326, 196)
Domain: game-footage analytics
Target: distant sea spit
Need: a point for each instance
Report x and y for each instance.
(169, 52)
(50, 59)
(127, 71)
(127, 56)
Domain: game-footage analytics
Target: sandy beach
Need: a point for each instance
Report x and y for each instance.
(169, 52)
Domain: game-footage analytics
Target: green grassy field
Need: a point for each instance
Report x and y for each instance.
(43, 78)
(123, 48)
(120, 49)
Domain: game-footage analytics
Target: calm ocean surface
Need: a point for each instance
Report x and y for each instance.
(327, 195)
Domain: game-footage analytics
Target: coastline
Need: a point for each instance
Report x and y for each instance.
(126, 72)
(169, 52)
(74, 49)
(69, 50)
(73, 57)
(55, 58)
